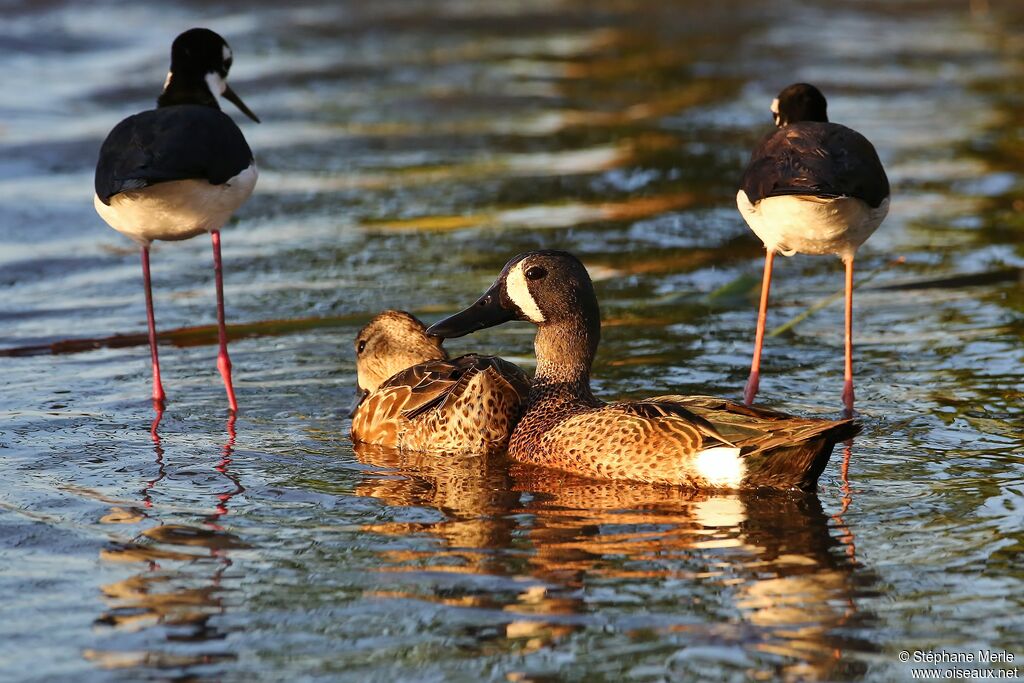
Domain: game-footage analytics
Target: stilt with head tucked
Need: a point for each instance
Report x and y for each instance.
(812, 187)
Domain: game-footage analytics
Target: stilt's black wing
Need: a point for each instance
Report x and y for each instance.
(170, 143)
(816, 159)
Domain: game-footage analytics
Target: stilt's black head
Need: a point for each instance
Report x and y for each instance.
(200, 62)
(199, 51)
(799, 102)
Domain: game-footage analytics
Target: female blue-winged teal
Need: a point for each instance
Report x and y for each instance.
(701, 442)
(414, 398)
(812, 187)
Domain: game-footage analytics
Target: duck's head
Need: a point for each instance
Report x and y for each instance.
(200, 62)
(390, 343)
(799, 102)
(550, 289)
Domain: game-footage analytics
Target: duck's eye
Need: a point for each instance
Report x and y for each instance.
(362, 346)
(484, 301)
(536, 272)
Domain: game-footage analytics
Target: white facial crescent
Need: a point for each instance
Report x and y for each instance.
(519, 291)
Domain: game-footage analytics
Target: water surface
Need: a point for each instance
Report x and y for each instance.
(408, 150)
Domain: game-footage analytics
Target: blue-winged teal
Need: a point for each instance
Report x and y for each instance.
(701, 442)
(414, 398)
(811, 187)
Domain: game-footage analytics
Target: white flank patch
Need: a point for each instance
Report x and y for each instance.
(519, 291)
(721, 466)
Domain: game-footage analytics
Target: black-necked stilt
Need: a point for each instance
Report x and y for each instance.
(179, 170)
(812, 187)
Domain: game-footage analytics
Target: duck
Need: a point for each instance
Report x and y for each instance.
(413, 397)
(700, 442)
(811, 187)
(180, 170)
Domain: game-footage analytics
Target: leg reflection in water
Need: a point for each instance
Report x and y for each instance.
(176, 596)
(846, 538)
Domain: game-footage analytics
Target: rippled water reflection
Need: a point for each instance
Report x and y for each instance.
(407, 150)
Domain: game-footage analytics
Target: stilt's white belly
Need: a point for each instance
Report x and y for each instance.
(178, 209)
(812, 225)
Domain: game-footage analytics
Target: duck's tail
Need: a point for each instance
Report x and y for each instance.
(777, 450)
(798, 459)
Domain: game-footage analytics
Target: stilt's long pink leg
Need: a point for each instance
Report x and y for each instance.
(159, 397)
(755, 366)
(223, 361)
(848, 376)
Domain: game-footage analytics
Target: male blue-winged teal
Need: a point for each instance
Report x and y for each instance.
(414, 398)
(701, 442)
(811, 187)
(180, 170)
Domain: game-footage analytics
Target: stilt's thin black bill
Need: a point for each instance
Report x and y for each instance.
(231, 96)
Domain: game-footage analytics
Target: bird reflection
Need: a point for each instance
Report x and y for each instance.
(178, 588)
(236, 486)
(475, 494)
(770, 557)
(161, 470)
(158, 414)
(846, 538)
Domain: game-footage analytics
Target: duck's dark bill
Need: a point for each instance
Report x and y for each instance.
(231, 96)
(486, 312)
(361, 395)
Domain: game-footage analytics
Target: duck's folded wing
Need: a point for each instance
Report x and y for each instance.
(421, 387)
(672, 412)
(512, 374)
(434, 384)
(751, 426)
